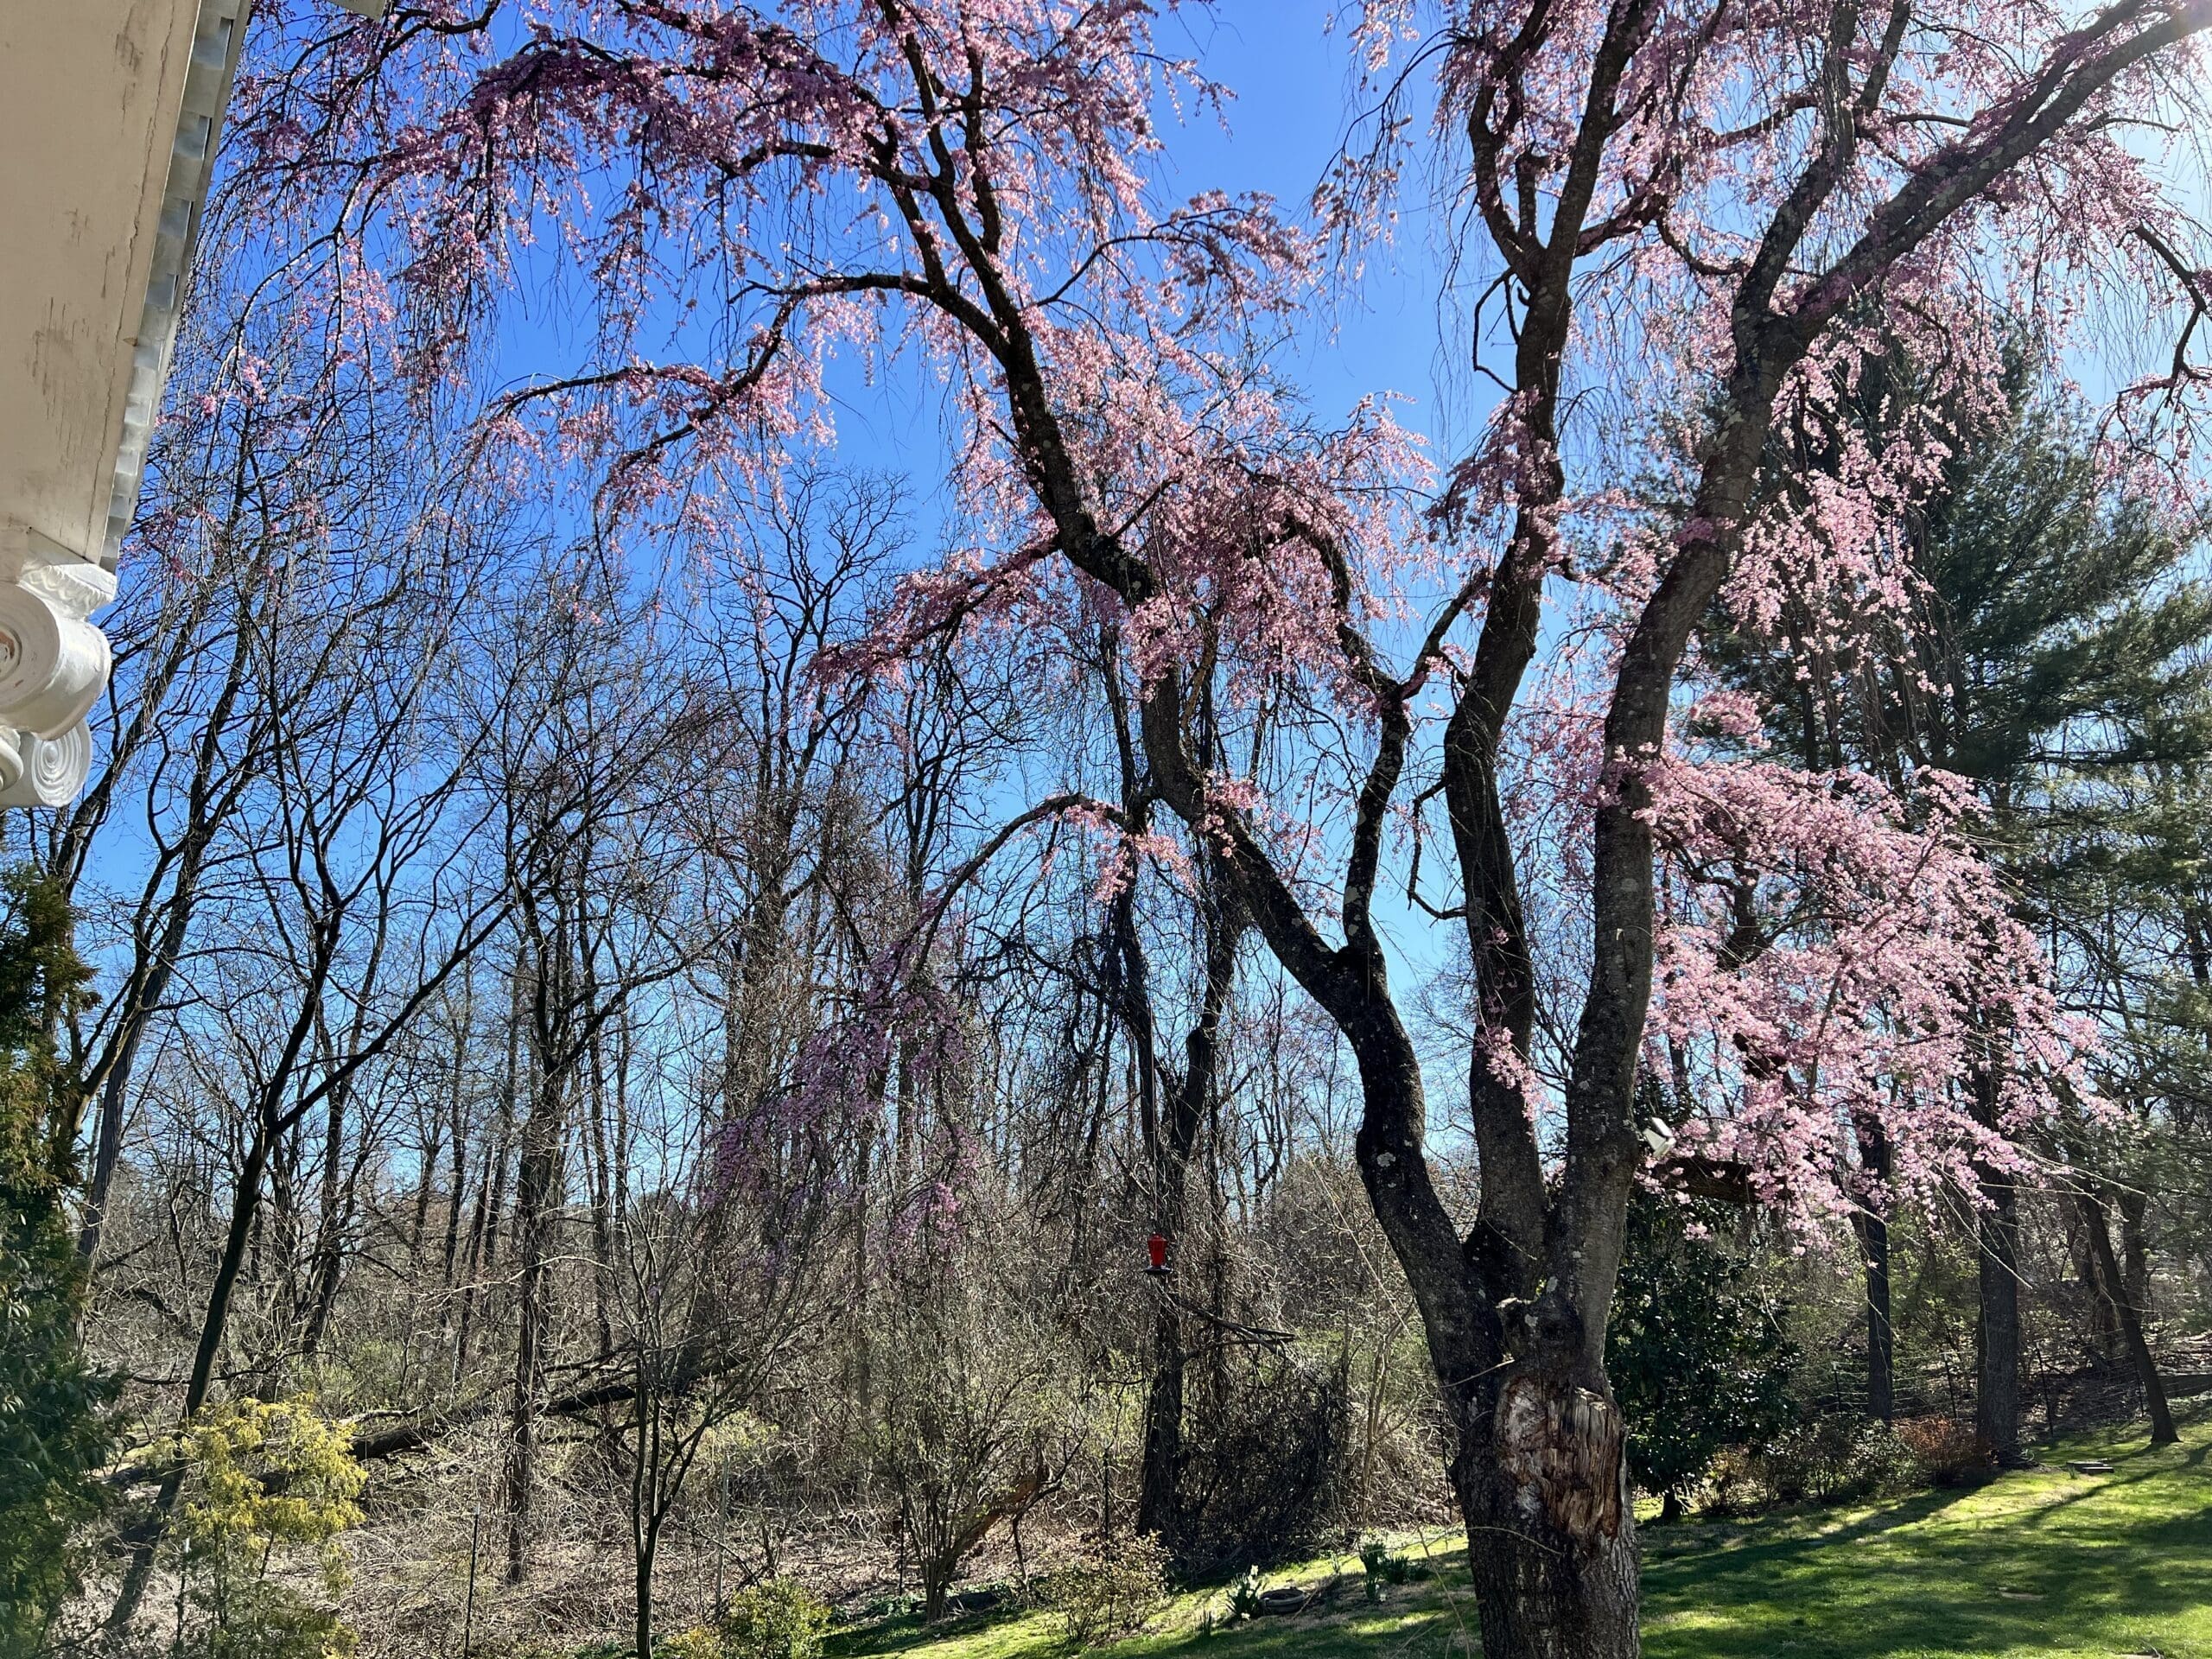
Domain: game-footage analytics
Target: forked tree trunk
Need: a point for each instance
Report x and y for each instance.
(2130, 1315)
(1539, 1467)
(1516, 1330)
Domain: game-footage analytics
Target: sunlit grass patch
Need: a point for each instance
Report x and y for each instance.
(2044, 1564)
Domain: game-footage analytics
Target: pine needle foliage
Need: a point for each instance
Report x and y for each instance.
(57, 1410)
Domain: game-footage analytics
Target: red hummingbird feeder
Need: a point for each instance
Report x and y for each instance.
(1155, 1248)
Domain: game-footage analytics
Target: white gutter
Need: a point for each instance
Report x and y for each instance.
(110, 112)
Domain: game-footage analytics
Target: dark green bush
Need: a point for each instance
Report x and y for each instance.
(1696, 1351)
(1835, 1459)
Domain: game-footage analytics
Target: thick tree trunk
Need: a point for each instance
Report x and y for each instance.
(2097, 1286)
(2134, 1204)
(1539, 1468)
(1539, 1461)
(642, 1626)
(1515, 1311)
(1881, 1339)
(1873, 1227)
(1551, 1535)
(1997, 1332)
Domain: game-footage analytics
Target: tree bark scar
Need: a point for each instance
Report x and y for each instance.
(1559, 1445)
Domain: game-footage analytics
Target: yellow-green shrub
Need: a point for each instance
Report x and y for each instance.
(776, 1618)
(266, 1482)
(1112, 1593)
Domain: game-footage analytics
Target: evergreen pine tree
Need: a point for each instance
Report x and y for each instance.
(56, 1410)
(2057, 654)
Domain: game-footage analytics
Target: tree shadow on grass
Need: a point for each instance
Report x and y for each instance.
(1810, 1527)
(1874, 1588)
(2149, 1464)
(970, 1632)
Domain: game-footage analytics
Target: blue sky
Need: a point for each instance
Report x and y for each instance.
(1294, 101)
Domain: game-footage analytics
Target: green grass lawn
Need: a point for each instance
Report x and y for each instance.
(2036, 1565)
